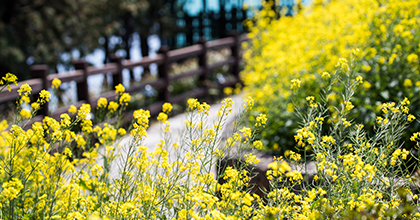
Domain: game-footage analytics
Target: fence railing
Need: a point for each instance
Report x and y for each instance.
(41, 79)
(215, 25)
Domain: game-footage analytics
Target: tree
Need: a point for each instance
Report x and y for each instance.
(41, 31)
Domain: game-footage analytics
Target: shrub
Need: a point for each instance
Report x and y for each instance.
(356, 176)
(307, 47)
(41, 178)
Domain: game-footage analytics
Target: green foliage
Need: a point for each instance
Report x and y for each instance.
(44, 30)
(304, 47)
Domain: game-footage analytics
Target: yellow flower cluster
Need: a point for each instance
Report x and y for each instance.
(11, 190)
(7, 80)
(44, 177)
(167, 107)
(102, 103)
(56, 83)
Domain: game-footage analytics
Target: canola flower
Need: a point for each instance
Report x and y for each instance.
(56, 83)
(43, 177)
(180, 185)
(7, 80)
(356, 174)
(289, 54)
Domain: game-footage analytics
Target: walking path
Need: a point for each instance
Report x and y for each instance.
(177, 125)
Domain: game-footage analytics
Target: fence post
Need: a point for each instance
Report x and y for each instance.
(189, 29)
(201, 24)
(117, 77)
(202, 63)
(245, 28)
(234, 18)
(163, 73)
(222, 22)
(41, 71)
(82, 87)
(235, 54)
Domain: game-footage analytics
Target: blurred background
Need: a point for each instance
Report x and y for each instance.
(57, 32)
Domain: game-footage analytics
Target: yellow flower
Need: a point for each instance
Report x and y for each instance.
(162, 116)
(325, 75)
(72, 110)
(67, 152)
(119, 89)
(404, 154)
(25, 113)
(193, 103)
(342, 63)
(167, 107)
(84, 111)
(251, 159)
(122, 131)
(367, 85)
(249, 102)
(25, 89)
(102, 103)
(125, 99)
(411, 117)
(11, 189)
(217, 215)
(407, 83)
(247, 200)
(405, 101)
(294, 156)
(66, 120)
(366, 68)
(113, 106)
(355, 52)
(261, 120)
(35, 106)
(246, 132)
(345, 123)
(310, 98)
(392, 58)
(87, 125)
(9, 79)
(258, 144)
(349, 105)
(328, 139)
(228, 90)
(80, 141)
(281, 167)
(295, 84)
(44, 96)
(56, 83)
(294, 175)
(412, 58)
(379, 119)
(415, 137)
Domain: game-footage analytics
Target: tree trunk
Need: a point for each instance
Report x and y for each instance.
(106, 49)
(144, 47)
(128, 25)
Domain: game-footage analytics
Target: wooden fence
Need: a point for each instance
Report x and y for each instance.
(41, 79)
(216, 25)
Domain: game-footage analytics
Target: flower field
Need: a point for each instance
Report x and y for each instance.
(308, 46)
(337, 84)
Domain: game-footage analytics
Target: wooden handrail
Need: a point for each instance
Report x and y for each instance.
(184, 53)
(75, 75)
(145, 62)
(42, 81)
